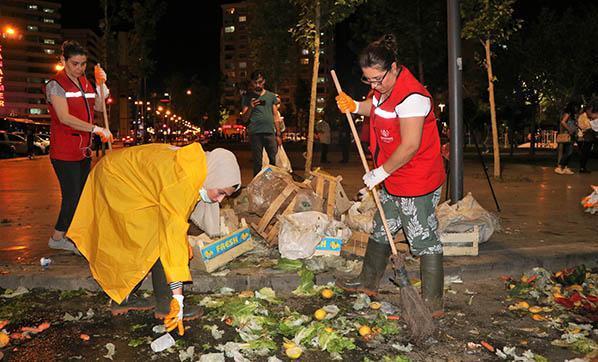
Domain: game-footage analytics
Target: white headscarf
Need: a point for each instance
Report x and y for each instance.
(223, 171)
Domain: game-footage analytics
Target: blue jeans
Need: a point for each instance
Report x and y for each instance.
(566, 155)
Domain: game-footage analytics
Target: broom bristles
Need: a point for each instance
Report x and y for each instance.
(416, 314)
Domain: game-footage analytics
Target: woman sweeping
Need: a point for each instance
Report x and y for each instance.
(405, 145)
(132, 218)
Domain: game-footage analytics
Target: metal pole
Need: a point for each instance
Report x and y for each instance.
(455, 100)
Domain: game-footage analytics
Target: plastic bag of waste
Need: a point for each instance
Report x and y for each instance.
(360, 220)
(464, 215)
(300, 233)
(282, 160)
(590, 202)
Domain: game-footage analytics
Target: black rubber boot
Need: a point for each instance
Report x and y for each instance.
(163, 296)
(432, 275)
(372, 271)
(132, 302)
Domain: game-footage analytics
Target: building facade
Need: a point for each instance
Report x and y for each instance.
(236, 64)
(29, 51)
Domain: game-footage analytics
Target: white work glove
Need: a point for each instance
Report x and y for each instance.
(104, 134)
(174, 319)
(105, 89)
(374, 177)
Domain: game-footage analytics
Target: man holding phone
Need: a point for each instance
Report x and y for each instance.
(259, 109)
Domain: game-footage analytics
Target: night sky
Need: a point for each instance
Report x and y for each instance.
(189, 34)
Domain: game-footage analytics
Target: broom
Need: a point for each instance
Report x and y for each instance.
(416, 313)
(106, 124)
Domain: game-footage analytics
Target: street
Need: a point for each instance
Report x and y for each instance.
(543, 225)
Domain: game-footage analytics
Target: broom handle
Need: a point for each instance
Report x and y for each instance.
(106, 125)
(366, 167)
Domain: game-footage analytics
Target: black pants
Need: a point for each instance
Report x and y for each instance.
(71, 176)
(586, 149)
(260, 141)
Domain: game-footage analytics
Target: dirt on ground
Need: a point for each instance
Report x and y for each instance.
(481, 317)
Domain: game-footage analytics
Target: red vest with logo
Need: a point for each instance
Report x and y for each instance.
(424, 173)
(68, 144)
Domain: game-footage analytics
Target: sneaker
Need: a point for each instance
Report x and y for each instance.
(63, 244)
(558, 170)
(568, 171)
(132, 303)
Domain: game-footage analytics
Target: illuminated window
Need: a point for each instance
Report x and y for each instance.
(49, 11)
(242, 65)
(229, 29)
(242, 19)
(50, 21)
(49, 51)
(49, 41)
(32, 28)
(304, 61)
(32, 7)
(35, 111)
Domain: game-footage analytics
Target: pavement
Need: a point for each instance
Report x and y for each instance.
(542, 225)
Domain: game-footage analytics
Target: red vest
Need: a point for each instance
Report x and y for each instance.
(68, 144)
(424, 173)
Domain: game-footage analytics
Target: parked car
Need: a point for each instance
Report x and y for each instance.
(40, 143)
(12, 144)
(129, 141)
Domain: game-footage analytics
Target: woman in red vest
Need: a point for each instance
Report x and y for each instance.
(71, 100)
(405, 146)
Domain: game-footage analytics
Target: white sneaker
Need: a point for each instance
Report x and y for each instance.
(63, 244)
(559, 170)
(568, 171)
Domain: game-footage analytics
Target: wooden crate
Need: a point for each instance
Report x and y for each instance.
(211, 256)
(358, 242)
(461, 244)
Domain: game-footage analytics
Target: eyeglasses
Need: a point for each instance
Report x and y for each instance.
(374, 82)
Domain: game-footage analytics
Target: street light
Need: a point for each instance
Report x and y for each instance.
(188, 92)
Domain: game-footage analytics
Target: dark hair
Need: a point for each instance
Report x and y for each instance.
(256, 74)
(71, 48)
(380, 53)
(572, 108)
(593, 105)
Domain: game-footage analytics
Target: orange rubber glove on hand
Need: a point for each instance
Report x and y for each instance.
(346, 103)
(104, 134)
(174, 318)
(99, 74)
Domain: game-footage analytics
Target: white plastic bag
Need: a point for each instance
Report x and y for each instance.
(301, 232)
(282, 160)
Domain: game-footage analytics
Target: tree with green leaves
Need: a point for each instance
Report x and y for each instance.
(272, 47)
(316, 17)
(490, 22)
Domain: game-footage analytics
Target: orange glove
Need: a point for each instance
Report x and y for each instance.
(99, 74)
(346, 103)
(104, 134)
(174, 318)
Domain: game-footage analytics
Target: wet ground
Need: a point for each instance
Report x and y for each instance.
(475, 312)
(539, 207)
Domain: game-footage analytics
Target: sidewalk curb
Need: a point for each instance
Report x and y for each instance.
(68, 277)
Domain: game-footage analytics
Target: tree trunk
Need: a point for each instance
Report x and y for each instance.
(495, 144)
(313, 95)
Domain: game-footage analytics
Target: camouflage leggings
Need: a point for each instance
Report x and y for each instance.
(416, 216)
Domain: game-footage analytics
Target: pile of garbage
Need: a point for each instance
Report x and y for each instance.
(590, 202)
(566, 300)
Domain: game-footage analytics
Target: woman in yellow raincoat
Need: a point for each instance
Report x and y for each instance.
(132, 218)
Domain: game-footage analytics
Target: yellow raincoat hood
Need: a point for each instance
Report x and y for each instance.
(134, 209)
